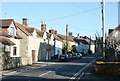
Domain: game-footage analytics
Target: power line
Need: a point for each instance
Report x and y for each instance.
(73, 14)
(63, 17)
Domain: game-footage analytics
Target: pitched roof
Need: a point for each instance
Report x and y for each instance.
(23, 28)
(30, 30)
(18, 36)
(64, 37)
(49, 35)
(5, 22)
(57, 38)
(39, 33)
(5, 40)
(118, 28)
(4, 33)
(84, 40)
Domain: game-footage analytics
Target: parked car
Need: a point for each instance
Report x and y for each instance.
(63, 57)
(74, 56)
(83, 54)
(79, 55)
(70, 56)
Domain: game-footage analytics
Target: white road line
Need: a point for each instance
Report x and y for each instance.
(45, 73)
(80, 71)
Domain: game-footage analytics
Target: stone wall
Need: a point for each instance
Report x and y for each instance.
(25, 59)
(10, 62)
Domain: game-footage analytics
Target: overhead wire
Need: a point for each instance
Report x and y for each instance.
(66, 16)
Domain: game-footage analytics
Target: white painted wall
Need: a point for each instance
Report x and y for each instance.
(17, 44)
(58, 47)
(92, 48)
(34, 43)
(12, 25)
(82, 48)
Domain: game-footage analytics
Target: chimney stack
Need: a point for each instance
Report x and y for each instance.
(78, 35)
(70, 34)
(55, 31)
(25, 21)
(43, 27)
(52, 31)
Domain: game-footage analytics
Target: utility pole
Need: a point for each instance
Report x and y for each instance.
(103, 27)
(66, 38)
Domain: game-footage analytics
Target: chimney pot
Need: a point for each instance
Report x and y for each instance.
(25, 21)
(43, 26)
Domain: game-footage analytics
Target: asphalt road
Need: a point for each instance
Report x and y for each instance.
(75, 70)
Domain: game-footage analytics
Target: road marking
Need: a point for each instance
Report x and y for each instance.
(80, 72)
(45, 73)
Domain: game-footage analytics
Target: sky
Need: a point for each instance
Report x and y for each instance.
(81, 17)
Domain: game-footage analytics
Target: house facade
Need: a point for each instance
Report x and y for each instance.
(57, 42)
(85, 44)
(66, 40)
(114, 38)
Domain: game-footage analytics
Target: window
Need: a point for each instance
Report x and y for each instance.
(12, 31)
(14, 50)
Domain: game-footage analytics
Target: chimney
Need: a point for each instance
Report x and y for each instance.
(78, 35)
(52, 31)
(25, 21)
(43, 26)
(70, 34)
(55, 31)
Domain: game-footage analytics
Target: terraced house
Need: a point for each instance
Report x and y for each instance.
(10, 53)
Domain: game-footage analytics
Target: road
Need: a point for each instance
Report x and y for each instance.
(75, 70)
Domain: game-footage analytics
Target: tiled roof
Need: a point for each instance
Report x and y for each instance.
(18, 36)
(3, 33)
(39, 33)
(5, 40)
(57, 38)
(48, 35)
(5, 22)
(23, 28)
(64, 37)
(30, 30)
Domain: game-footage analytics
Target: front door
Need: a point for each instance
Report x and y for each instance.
(33, 55)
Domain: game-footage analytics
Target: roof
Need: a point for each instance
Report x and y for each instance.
(39, 33)
(84, 40)
(49, 35)
(18, 36)
(118, 28)
(57, 38)
(5, 22)
(5, 40)
(3, 33)
(23, 28)
(30, 30)
(81, 40)
(64, 37)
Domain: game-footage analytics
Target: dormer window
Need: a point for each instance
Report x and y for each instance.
(11, 31)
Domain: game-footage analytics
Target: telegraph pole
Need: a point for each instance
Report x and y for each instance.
(103, 27)
(66, 38)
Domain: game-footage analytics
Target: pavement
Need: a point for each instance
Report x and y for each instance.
(25, 68)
